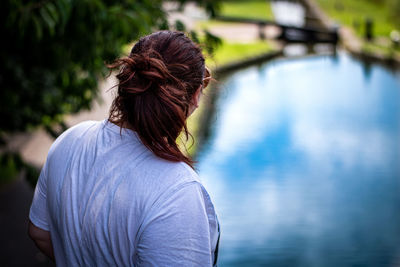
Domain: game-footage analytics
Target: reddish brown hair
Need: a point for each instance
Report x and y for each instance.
(156, 84)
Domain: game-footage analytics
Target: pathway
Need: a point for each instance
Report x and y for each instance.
(16, 247)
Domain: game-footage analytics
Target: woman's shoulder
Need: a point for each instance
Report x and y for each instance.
(82, 127)
(180, 172)
(79, 128)
(73, 133)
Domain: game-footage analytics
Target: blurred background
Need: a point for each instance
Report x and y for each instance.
(297, 140)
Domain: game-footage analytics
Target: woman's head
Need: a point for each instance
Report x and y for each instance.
(159, 85)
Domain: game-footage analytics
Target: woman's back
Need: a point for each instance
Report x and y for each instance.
(121, 192)
(107, 200)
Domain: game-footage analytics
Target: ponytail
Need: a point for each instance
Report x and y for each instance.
(155, 91)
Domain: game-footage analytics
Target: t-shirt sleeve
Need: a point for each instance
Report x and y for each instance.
(38, 213)
(176, 232)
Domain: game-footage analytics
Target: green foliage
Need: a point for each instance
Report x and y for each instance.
(11, 164)
(54, 52)
(8, 168)
(194, 36)
(179, 26)
(211, 42)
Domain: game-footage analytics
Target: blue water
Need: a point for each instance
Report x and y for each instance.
(303, 164)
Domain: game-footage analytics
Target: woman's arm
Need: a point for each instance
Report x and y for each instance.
(42, 239)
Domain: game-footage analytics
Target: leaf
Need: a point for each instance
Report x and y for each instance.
(47, 19)
(212, 42)
(194, 36)
(52, 11)
(179, 26)
(38, 27)
(64, 9)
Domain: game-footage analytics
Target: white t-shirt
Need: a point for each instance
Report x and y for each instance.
(107, 200)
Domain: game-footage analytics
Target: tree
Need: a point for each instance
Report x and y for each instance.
(54, 52)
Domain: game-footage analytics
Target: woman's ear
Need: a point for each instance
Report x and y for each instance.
(194, 103)
(196, 96)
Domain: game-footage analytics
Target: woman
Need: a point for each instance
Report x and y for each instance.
(120, 192)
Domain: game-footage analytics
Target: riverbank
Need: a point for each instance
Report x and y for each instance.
(230, 56)
(376, 50)
(201, 121)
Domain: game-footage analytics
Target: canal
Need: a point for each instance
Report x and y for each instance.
(303, 164)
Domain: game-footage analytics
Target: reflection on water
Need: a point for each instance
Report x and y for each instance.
(303, 164)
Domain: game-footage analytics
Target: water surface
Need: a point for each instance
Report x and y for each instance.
(303, 164)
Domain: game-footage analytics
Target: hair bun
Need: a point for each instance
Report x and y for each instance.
(142, 72)
(149, 67)
(147, 72)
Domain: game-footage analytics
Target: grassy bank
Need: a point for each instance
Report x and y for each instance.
(255, 9)
(353, 14)
(230, 52)
(227, 53)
